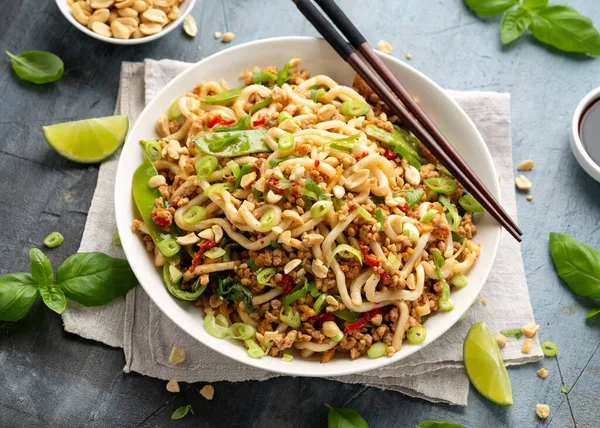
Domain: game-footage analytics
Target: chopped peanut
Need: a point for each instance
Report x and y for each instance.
(543, 373)
(177, 355)
(385, 47)
(173, 386)
(207, 392)
(228, 37)
(526, 165)
(530, 197)
(542, 410)
(526, 346)
(218, 35)
(523, 183)
(484, 301)
(500, 339)
(530, 329)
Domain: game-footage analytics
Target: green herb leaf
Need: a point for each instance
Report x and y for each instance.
(37, 66)
(41, 269)
(534, 4)
(594, 311)
(514, 23)
(348, 315)
(577, 264)
(564, 389)
(438, 424)
(490, 7)
(516, 332)
(344, 418)
(566, 29)
(230, 290)
(94, 279)
(18, 291)
(181, 412)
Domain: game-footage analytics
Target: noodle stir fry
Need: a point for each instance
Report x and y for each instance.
(297, 214)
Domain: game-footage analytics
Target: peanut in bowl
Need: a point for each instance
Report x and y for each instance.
(125, 22)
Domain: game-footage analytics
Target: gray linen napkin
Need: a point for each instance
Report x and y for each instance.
(435, 374)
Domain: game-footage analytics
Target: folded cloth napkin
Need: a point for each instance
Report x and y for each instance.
(436, 374)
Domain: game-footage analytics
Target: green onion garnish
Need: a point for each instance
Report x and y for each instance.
(256, 107)
(443, 185)
(169, 247)
(379, 217)
(225, 97)
(254, 349)
(469, 203)
(218, 188)
(445, 303)
(438, 261)
(290, 317)
(216, 326)
(241, 331)
(365, 214)
(205, 166)
(320, 209)
(286, 142)
(267, 220)
(416, 335)
(54, 240)
(453, 217)
(346, 251)
(234, 167)
(193, 214)
(459, 280)
(395, 261)
(298, 292)
(152, 148)
(515, 332)
(215, 253)
(264, 275)
(549, 349)
(355, 108)
(174, 113)
(260, 77)
(276, 161)
(243, 171)
(342, 147)
(283, 116)
(428, 216)
(377, 350)
(320, 303)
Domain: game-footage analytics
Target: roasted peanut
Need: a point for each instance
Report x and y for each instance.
(119, 30)
(140, 6)
(173, 13)
(100, 15)
(128, 13)
(154, 15)
(228, 37)
(80, 15)
(124, 3)
(101, 28)
(148, 29)
(101, 4)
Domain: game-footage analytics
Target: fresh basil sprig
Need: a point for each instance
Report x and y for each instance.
(578, 265)
(37, 66)
(558, 25)
(181, 412)
(92, 279)
(344, 418)
(438, 424)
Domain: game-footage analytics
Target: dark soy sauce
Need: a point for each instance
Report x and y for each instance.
(589, 131)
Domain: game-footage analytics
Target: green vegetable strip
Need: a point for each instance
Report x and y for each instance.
(283, 75)
(240, 125)
(379, 217)
(191, 294)
(245, 170)
(239, 143)
(261, 77)
(224, 98)
(299, 291)
(342, 147)
(276, 161)
(515, 332)
(256, 107)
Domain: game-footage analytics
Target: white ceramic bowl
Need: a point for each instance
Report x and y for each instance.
(582, 156)
(318, 58)
(184, 9)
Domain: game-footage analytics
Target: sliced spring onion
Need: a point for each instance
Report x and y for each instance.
(416, 335)
(338, 203)
(355, 108)
(256, 107)
(469, 203)
(286, 142)
(443, 169)
(174, 273)
(267, 220)
(205, 166)
(287, 357)
(453, 217)
(254, 349)
(194, 214)
(312, 289)
(410, 230)
(242, 331)
(445, 303)
(346, 251)
(412, 196)
(216, 326)
(549, 349)
(283, 116)
(260, 76)
(365, 214)
(54, 240)
(319, 193)
(379, 217)
(224, 98)
(438, 261)
(459, 280)
(283, 75)
(338, 337)
(243, 171)
(395, 261)
(252, 265)
(377, 350)
(320, 303)
(458, 238)
(218, 188)
(264, 276)
(116, 240)
(276, 161)
(234, 167)
(445, 185)
(290, 317)
(215, 253)
(169, 247)
(320, 209)
(428, 216)
(344, 147)
(298, 292)
(152, 148)
(348, 315)
(460, 250)
(174, 113)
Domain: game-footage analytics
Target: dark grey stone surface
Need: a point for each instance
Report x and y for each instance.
(51, 378)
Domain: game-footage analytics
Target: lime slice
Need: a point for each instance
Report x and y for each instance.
(88, 141)
(485, 367)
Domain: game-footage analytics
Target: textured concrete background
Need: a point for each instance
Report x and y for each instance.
(50, 378)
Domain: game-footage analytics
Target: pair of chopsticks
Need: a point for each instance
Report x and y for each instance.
(381, 80)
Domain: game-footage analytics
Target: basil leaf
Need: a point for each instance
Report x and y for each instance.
(514, 23)
(94, 279)
(534, 4)
(591, 313)
(41, 269)
(347, 315)
(566, 29)
(181, 412)
(344, 418)
(490, 7)
(37, 66)
(18, 291)
(577, 264)
(53, 297)
(438, 424)
(230, 290)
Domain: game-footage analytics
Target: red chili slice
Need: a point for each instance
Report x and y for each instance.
(370, 259)
(404, 208)
(317, 163)
(260, 121)
(160, 221)
(323, 317)
(385, 276)
(286, 283)
(367, 317)
(215, 120)
(364, 155)
(390, 154)
(205, 245)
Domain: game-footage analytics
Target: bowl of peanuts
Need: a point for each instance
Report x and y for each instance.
(125, 22)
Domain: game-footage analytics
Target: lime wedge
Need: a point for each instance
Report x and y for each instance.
(485, 367)
(88, 141)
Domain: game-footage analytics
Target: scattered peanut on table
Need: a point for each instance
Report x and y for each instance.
(228, 37)
(207, 392)
(173, 386)
(385, 47)
(542, 410)
(543, 373)
(523, 183)
(526, 165)
(189, 26)
(125, 19)
(177, 355)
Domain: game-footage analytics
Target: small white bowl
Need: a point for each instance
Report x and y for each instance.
(184, 9)
(319, 58)
(582, 156)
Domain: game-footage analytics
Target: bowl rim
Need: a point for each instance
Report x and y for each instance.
(581, 154)
(64, 9)
(256, 363)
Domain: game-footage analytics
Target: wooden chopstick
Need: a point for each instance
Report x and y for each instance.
(459, 169)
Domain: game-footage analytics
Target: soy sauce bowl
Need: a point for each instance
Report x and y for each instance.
(582, 156)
